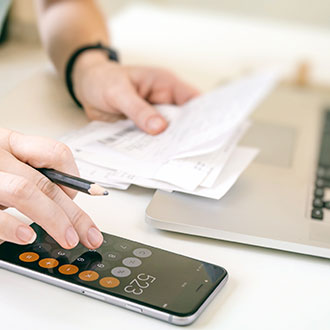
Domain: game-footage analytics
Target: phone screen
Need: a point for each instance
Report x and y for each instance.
(143, 274)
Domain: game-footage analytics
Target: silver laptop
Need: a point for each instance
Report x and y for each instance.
(282, 201)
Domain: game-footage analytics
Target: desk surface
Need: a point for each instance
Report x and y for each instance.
(266, 290)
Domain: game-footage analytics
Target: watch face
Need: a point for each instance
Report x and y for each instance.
(149, 276)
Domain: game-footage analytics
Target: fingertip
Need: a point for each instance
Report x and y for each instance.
(156, 125)
(72, 238)
(26, 234)
(95, 238)
(185, 93)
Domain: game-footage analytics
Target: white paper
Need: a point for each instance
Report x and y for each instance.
(238, 162)
(200, 126)
(196, 154)
(108, 178)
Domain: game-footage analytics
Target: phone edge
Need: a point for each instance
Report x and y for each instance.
(113, 300)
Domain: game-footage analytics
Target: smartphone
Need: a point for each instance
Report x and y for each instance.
(138, 277)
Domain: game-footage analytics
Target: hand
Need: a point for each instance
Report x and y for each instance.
(34, 195)
(108, 90)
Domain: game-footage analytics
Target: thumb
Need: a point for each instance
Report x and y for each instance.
(141, 112)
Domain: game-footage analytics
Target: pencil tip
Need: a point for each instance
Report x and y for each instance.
(97, 190)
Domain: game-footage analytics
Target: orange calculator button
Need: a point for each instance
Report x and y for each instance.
(68, 269)
(29, 257)
(109, 282)
(88, 275)
(48, 263)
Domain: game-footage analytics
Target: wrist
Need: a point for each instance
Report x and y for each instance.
(85, 61)
(82, 61)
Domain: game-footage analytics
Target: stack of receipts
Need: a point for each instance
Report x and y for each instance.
(197, 154)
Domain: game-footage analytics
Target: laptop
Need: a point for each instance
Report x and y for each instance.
(282, 201)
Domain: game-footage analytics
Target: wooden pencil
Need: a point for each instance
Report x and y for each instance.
(73, 182)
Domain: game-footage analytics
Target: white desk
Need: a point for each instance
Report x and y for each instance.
(266, 289)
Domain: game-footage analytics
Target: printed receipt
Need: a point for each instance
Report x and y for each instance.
(191, 155)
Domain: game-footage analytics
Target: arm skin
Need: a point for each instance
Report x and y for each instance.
(66, 25)
(106, 89)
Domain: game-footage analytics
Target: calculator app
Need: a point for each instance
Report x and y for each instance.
(122, 268)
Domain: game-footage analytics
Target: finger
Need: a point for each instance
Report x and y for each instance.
(16, 191)
(183, 92)
(163, 96)
(95, 114)
(89, 235)
(43, 152)
(15, 231)
(141, 112)
(10, 164)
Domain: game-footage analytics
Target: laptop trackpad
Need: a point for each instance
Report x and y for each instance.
(275, 142)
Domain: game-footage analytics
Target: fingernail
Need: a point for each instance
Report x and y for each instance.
(26, 235)
(72, 237)
(155, 124)
(95, 238)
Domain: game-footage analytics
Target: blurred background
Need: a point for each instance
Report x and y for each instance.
(205, 41)
(315, 13)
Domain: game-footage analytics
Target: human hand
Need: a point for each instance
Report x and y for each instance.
(108, 90)
(31, 193)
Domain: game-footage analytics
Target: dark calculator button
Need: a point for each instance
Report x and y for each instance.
(319, 192)
(318, 203)
(100, 266)
(327, 205)
(106, 242)
(122, 247)
(317, 214)
(41, 247)
(60, 253)
(50, 240)
(112, 256)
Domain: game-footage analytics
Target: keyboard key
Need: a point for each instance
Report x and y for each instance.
(320, 172)
(325, 151)
(327, 172)
(319, 192)
(319, 183)
(318, 203)
(317, 214)
(327, 205)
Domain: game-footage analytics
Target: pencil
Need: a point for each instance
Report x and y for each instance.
(73, 182)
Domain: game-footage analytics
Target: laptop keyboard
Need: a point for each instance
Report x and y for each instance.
(322, 182)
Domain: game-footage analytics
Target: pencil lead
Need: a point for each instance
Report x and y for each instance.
(106, 192)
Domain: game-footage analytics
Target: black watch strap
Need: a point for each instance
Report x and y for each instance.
(112, 55)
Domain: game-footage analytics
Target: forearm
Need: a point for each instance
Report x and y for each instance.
(66, 25)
